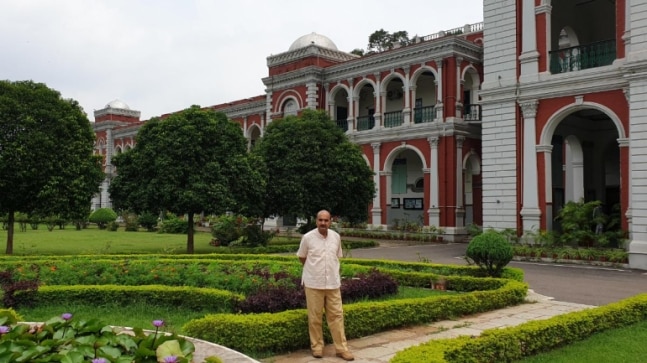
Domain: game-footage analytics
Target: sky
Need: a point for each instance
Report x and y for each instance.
(161, 56)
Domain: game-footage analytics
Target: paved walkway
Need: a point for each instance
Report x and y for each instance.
(380, 348)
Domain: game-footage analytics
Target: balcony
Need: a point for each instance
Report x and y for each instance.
(424, 114)
(393, 119)
(343, 124)
(365, 122)
(583, 57)
(472, 113)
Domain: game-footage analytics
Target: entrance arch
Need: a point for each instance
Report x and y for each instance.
(576, 142)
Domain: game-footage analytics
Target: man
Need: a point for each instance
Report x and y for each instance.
(319, 254)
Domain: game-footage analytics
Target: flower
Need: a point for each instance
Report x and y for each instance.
(66, 316)
(4, 329)
(158, 323)
(170, 359)
(99, 360)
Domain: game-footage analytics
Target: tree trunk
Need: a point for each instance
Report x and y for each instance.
(10, 222)
(189, 237)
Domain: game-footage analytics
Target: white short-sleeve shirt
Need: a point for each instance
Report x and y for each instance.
(321, 269)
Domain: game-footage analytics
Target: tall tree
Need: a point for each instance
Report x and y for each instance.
(382, 40)
(46, 153)
(312, 165)
(193, 161)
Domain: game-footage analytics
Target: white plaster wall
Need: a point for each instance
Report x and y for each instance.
(499, 105)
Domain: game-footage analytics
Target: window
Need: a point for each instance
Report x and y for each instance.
(399, 177)
(290, 108)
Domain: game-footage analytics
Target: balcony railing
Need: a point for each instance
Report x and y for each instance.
(393, 119)
(343, 124)
(365, 122)
(583, 57)
(472, 113)
(424, 114)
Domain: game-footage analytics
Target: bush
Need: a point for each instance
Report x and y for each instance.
(491, 252)
(174, 225)
(102, 217)
(148, 220)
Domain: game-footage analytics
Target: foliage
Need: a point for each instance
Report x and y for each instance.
(491, 252)
(173, 224)
(148, 220)
(102, 217)
(227, 228)
(46, 154)
(579, 225)
(191, 162)
(382, 40)
(68, 340)
(312, 165)
(11, 284)
(131, 221)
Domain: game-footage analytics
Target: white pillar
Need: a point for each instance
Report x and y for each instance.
(547, 150)
(406, 112)
(434, 192)
(439, 90)
(529, 57)
(530, 213)
(376, 212)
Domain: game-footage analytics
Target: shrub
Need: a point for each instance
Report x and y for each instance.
(102, 217)
(228, 228)
(174, 225)
(131, 222)
(491, 252)
(148, 220)
(368, 285)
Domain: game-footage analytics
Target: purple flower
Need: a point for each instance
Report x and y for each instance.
(158, 323)
(66, 316)
(170, 359)
(4, 329)
(99, 360)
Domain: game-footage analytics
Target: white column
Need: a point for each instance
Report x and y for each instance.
(439, 90)
(460, 208)
(268, 108)
(376, 212)
(547, 150)
(434, 192)
(530, 213)
(459, 88)
(529, 57)
(406, 112)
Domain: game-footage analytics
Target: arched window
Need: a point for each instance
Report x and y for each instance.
(290, 108)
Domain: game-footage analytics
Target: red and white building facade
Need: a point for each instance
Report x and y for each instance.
(496, 124)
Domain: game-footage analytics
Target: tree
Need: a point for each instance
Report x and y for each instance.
(382, 40)
(311, 165)
(46, 154)
(193, 161)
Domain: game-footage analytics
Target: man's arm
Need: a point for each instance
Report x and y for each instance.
(303, 260)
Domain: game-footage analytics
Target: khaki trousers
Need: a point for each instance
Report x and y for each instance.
(330, 300)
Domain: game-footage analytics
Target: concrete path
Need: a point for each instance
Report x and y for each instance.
(380, 348)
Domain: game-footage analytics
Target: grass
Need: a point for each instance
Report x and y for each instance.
(92, 240)
(623, 345)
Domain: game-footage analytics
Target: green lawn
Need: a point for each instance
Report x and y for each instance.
(69, 241)
(625, 345)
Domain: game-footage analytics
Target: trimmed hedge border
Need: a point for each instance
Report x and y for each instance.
(514, 343)
(255, 334)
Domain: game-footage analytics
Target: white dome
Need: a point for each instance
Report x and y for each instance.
(118, 104)
(313, 38)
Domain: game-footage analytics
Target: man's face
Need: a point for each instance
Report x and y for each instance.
(323, 222)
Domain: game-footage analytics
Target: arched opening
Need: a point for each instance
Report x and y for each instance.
(585, 163)
(425, 98)
(341, 109)
(290, 108)
(405, 188)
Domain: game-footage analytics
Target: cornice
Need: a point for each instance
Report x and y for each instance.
(309, 51)
(412, 132)
(116, 111)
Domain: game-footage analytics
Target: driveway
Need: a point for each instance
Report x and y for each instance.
(582, 284)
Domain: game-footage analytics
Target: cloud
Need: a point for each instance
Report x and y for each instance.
(163, 56)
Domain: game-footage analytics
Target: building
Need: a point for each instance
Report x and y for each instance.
(496, 124)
